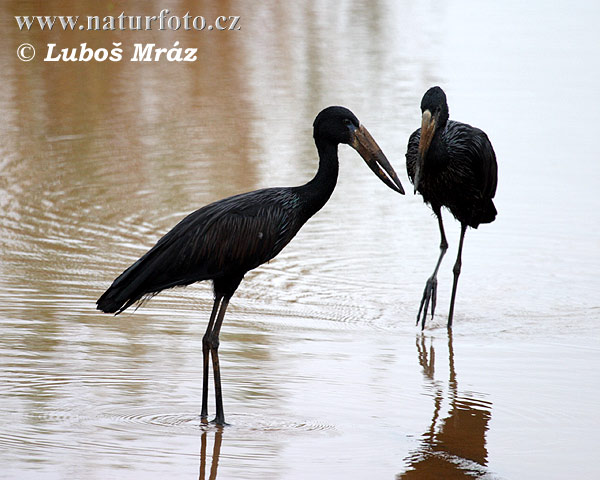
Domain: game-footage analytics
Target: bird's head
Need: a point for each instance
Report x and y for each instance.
(435, 101)
(434, 116)
(337, 125)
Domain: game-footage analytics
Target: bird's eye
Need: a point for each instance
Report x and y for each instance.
(347, 122)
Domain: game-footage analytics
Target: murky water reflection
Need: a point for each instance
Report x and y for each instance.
(325, 375)
(454, 444)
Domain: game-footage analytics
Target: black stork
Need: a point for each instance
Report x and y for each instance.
(224, 240)
(452, 165)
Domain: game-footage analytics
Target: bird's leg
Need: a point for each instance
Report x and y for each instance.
(205, 355)
(456, 270)
(214, 351)
(430, 291)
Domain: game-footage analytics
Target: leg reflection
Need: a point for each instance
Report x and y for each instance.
(453, 446)
(215, 454)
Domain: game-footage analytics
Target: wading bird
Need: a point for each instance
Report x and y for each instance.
(452, 165)
(224, 240)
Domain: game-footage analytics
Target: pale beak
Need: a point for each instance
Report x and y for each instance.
(427, 131)
(367, 147)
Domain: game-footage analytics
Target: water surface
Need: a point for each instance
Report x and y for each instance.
(325, 374)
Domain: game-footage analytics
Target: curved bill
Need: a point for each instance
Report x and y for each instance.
(367, 147)
(427, 131)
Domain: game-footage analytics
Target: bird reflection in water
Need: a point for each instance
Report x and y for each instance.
(453, 447)
(214, 464)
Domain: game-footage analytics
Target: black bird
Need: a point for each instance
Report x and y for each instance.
(452, 165)
(224, 240)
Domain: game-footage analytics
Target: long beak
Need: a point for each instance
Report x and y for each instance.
(427, 131)
(367, 147)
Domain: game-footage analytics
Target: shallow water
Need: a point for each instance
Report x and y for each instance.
(325, 374)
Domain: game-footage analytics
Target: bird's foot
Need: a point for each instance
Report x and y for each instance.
(429, 295)
(219, 422)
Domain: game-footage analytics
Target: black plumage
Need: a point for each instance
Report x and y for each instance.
(452, 165)
(221, 242)
(224, 240)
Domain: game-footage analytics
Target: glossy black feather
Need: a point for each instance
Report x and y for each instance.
(222, 240)
(460, 172)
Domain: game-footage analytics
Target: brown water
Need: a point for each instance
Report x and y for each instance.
(325, 374)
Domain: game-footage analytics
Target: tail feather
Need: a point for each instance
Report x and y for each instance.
(151, 274)
(485, 214)
(115, 301)
(489, 213)
(125, 290)
(132, 285)
(111, 302)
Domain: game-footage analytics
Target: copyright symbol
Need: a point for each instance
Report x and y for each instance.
(26, 52)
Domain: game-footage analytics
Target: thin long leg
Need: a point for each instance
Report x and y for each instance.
(214, 351)
(430, 291)
(456, 270)
(205, 355)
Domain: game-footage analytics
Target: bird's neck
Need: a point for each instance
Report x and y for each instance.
(437, 155)
(316, 192)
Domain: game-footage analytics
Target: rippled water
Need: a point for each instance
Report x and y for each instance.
(325, 374)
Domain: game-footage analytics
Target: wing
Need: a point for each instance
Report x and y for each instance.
(471, 150)
(230, 236)
(241, 233)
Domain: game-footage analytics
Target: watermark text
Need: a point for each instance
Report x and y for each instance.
(163, 21)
